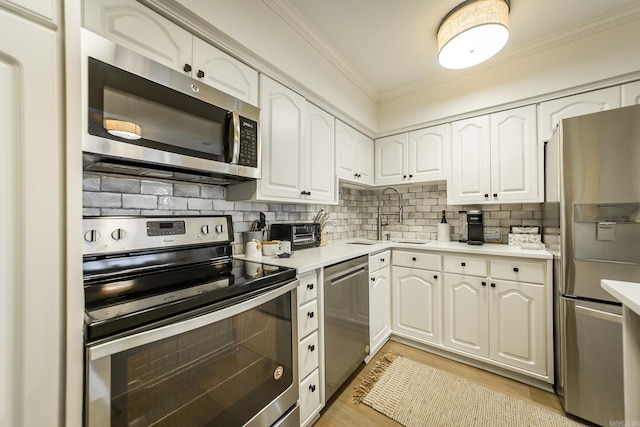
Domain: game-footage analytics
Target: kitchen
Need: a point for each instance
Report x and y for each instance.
(598, 60)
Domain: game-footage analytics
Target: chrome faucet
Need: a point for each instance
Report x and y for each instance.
(380, 224)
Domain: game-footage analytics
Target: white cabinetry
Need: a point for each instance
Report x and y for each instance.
(417, 156)
(41, 9)
(354, 155)
(496, 159)
(379, 301)
(416, 295)
(308, 349)
(551, 112)
(502, 315)
(297, 150)
(631, 94)
(32, 251)
(138, 28)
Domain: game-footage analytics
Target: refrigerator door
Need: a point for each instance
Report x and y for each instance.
(592, 383)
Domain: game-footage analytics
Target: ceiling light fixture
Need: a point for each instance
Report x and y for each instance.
(473, 32)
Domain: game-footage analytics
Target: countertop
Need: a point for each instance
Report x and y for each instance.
(341, 250)
(628, 293)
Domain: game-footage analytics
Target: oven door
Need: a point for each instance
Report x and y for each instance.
(231, 367)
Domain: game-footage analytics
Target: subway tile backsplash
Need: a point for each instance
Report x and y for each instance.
(355, 216)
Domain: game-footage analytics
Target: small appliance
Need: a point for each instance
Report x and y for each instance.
(302, 235)
(475, 235)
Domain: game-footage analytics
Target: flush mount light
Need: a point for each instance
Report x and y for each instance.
(473, 32)
(123, 129)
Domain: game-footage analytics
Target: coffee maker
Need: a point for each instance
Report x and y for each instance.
(475, 235)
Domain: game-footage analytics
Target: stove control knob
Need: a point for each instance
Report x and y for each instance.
(118, 234)
(204, 229)
(92, 236)
(219, 228)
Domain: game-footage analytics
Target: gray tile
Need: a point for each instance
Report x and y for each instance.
(158, 188)
(186, 190)
(212, 192)
(120, 185)
(90, 182)
(101, 200)
(172, 203)
(139, 201)
(199, 204)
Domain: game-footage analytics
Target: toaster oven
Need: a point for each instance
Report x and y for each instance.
(302, 235)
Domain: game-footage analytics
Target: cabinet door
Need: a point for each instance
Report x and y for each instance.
(466, 317)
(345, 151)
(224, 72)
(631, 94)
(416, 303)
(310, 402)
(551, 112)
(282, 133)
(138, 28)
(47, 9)
(391, 160)
(430, 153)
(470, 180)
(364, 159)
(516, 157)
(319, 159)
(517, 324)
(379, 308)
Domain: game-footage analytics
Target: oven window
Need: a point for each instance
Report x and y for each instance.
(218, 375)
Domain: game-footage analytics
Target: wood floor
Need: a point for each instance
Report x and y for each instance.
(341, 411)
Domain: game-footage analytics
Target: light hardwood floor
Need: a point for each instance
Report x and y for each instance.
(342, 412)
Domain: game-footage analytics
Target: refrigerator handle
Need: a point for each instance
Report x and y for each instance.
(609, 317)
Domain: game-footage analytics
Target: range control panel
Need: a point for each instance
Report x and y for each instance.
(104, 235)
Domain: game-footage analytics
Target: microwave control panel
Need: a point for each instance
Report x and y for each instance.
(248, 143)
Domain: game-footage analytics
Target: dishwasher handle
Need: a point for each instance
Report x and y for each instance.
(347, 274)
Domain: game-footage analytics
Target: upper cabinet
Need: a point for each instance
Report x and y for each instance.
(631, 94)
(354, 155)
(138, 28)
(496, 159)
(551, 112)
(38, 9)
(297, 150)
(417, 156)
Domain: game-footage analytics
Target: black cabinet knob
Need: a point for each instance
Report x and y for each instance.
(382, 259)
(310, 286)
(410, 176)
(486, 195)
(187, 68)
(200, 74)
(311, 347)
(493, 285)
(310, 315)
(404, 176)
(463, 264)
(435, 276)
(515, 269)
(414, 259)
(495, 194)
(373, 279)
(484, 283)
(312, 387)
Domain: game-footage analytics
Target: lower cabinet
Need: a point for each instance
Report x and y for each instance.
(379, 297)
(308, 349)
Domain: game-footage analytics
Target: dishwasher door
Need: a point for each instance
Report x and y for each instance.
(346, 320)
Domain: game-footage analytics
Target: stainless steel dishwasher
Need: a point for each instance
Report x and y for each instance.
(346, 320)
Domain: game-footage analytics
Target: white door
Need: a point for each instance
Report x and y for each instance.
(138, 28)
(416, 303)
(282, 133)
(517, 324)
(516, 157)
(391, 160)
(224, 72)
(379, 307)
(470, 180)
(465, 312)
(345, 151)
(551, 112)
(430, 153)
(364, 159)
(319, 159)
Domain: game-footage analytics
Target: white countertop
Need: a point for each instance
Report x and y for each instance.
(628, 293)
(341, 250)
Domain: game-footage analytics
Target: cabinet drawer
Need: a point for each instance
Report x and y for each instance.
(308, 288)
(308, 355)
(307, 319)
(517, 270)
(465, 265)
(309, 396)
(421, 260)
(378, 261)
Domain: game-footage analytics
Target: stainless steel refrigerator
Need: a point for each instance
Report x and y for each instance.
(592, 226)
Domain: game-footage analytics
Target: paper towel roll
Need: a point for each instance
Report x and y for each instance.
(444, 233)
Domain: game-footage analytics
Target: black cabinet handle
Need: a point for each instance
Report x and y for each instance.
(495, 194)
(310, 315)
(463, 264)
(310, 286)
(515, 269)
(312, 387)
(200, 74)
(493, 285)
(414, 259)
(382, 259)
(311, 347)
(410, 176)
(486, 195)
(435, 276)
(187, 68)
(373, 279)
(484, 283)
(404, 176)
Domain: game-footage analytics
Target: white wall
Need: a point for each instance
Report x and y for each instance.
(257, 27)
(609, 53)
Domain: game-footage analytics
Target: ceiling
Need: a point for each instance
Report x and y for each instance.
(389, 47)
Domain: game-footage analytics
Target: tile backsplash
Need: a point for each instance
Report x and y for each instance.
(355, 216)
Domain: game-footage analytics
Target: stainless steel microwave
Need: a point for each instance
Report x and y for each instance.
(143, 118)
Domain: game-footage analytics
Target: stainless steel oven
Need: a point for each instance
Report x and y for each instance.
(180, 333)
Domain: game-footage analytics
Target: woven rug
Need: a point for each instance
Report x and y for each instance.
(418, 395)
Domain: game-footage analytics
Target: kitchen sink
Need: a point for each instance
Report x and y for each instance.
(364, 242)
(411, 241)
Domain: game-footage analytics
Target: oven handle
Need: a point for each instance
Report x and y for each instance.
(99, 351)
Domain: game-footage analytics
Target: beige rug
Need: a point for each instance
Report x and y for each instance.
(418, 395)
